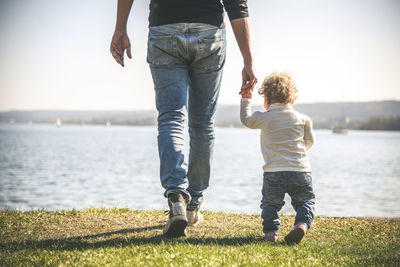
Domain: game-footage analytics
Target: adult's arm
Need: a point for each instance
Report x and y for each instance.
(120, 40)
(238, 15)
(241, 30)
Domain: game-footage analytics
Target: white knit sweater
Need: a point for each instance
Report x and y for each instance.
(286, 135)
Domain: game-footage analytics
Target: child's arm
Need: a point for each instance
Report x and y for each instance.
(308, 134)
(252, 121)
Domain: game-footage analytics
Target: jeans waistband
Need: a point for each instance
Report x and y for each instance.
(186, 27)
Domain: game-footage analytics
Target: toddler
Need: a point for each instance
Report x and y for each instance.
(286, 135)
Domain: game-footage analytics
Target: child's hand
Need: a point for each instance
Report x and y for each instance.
(247, 90)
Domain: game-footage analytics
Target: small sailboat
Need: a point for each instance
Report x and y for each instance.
(341, 127)
(339, 130)
(58, 122)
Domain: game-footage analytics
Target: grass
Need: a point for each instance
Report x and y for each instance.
(123, 237)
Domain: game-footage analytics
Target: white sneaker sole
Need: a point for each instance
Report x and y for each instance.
(194, 217)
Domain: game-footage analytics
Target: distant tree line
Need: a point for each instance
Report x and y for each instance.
(381, 123)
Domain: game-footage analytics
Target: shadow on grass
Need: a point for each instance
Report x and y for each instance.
(87, 242)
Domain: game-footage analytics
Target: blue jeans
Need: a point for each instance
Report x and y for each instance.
(186, 62)
(299, 187)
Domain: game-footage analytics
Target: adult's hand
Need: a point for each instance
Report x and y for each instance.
(249, 80)
(119, 43)
(248, 76)
(120, 40)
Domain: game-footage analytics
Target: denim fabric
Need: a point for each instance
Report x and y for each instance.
(186, 62)
(299, 187)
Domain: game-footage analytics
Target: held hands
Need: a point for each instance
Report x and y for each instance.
(249, 80)
(119, 43)
(247, 90)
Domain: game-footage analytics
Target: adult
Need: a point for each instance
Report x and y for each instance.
(186, 53)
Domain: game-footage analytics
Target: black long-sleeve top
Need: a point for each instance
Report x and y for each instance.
(195, 11)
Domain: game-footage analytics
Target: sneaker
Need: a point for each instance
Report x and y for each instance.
(298, 232)
(194, 217)
(272, 236)
(177, 221)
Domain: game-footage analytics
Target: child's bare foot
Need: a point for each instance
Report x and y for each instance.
(298, 232)
(272, 236)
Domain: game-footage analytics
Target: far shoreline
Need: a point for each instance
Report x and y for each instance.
(116, 124)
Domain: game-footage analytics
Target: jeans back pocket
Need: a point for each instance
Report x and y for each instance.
(162, 50)
(210, 53)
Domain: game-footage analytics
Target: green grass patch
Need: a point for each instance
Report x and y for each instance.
(123, 237)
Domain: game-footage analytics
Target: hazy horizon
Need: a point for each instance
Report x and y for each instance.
(220, 104)
(55, 54)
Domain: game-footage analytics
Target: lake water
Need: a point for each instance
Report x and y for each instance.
(41, 166)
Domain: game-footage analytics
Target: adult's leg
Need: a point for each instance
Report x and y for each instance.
(171, 80)
(205, 82)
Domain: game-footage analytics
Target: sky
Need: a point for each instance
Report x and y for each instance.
(55, 54)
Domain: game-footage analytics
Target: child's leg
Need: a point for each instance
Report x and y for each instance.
(303, 198)
(273, 193)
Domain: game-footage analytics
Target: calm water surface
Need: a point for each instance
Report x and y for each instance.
(41, 166)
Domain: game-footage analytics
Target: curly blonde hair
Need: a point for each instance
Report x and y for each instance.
(279, 88)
